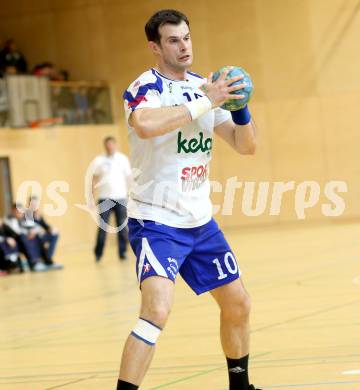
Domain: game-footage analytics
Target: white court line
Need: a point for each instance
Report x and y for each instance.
(356, 280)
(351, 372)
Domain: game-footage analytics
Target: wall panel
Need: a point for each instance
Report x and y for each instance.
(57, 154)
(303, 57)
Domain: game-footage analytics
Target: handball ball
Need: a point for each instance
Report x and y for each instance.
(236, 104)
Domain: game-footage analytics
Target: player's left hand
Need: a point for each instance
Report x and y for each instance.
(220, 91)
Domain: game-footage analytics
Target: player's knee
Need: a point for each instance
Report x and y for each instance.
(158, 313)
(238, 309)
(153, 317)
(245, 305)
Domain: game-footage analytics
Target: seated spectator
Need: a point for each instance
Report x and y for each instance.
(9, 252)
(47, 69)
(63, 104)
(64, 75)
(27, 235)
(82, 104)
(11, 56)
(49, 236)
(9, 70)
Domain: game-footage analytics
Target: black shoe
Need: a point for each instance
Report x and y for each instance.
(97, 259)
(252, 387)
(123, 256)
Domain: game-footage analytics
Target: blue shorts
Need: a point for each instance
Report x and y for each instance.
(201, 255)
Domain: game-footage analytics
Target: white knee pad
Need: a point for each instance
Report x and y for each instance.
(146, 331)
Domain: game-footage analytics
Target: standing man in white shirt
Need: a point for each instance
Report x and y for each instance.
(111, 175)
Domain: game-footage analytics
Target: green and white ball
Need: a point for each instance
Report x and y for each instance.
(236, 104)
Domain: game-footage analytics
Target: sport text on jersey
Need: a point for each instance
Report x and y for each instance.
(193, 177)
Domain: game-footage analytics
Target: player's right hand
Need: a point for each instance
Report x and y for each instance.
(219, 91)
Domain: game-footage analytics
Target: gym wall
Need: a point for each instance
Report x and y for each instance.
(60, 154)
(303, 57)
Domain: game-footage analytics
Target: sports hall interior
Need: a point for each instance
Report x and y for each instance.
(66, 329)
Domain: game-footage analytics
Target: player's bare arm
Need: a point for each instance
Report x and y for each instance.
(240, 138)
(153, 122)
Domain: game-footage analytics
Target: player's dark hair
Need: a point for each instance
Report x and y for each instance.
(109, 138)
(165, 16)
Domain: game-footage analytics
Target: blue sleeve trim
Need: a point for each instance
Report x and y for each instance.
(134, 101)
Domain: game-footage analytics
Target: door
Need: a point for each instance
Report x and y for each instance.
(5, 187)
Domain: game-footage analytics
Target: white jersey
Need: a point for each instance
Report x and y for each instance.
(171, 172)
(113, 172)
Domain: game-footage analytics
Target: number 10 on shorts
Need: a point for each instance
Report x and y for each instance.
(230, 264)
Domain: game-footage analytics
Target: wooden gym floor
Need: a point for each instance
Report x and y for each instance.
(66, 329)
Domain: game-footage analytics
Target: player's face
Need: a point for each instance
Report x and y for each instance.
(175, 49)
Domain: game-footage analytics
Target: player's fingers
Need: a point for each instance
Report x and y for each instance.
(203, 87)
(237, 87)
(233, 79)
(225, 73)
(234, 96)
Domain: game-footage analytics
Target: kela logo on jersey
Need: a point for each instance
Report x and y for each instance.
(193, 177)
(193, 145)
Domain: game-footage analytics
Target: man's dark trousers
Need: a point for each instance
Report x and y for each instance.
(106, 207)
